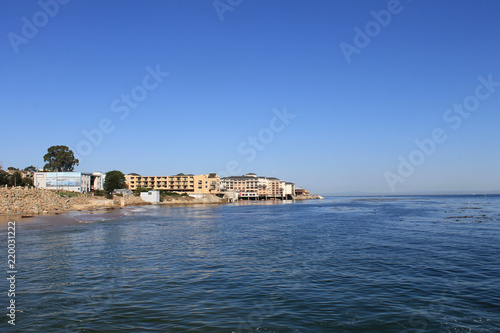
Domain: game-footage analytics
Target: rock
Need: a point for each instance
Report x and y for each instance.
(34, 201)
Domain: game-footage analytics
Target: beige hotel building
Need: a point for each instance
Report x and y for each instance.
(253, 186)
(209, 183)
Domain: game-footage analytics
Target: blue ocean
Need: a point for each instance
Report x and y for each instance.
(343, 264)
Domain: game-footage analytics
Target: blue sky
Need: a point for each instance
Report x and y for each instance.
(348, 121)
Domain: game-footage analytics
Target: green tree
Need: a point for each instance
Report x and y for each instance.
(31, 168)
(60, 158)
(4, 178)
(114, 180)
(16, 179)
(12, 168)
(27, 181)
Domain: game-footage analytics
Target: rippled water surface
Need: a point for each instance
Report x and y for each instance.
(403, 264)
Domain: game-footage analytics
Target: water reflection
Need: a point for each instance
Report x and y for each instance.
(333, 265)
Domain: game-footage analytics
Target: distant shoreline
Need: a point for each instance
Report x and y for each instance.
(109, 206)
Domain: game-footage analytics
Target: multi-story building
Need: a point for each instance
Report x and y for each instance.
(63, 181)
(97, 180)
(69, 181)
(288, 189)
(253, 186)
(208, 183)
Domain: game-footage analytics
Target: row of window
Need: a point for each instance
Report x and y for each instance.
(151, 178)
(172, 182)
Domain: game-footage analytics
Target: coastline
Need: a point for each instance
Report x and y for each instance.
(74, 216)
(34, 204)
(29, 205)
(309, 197)
(25, 202)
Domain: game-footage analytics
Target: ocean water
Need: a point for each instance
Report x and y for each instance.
(343, 264)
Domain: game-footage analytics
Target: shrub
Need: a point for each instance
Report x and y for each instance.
(68, 194)
(172, 194)
(26, 181)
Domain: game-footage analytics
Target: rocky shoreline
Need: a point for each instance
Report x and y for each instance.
(204, 200)
(32, 201)
(24, 201)
(309, 197)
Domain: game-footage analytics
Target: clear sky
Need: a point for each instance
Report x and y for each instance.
(332, 95)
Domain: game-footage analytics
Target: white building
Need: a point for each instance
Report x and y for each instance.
(97, 180)
(288, 189)
(69, 181)
(63, 181)
(151, 196)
